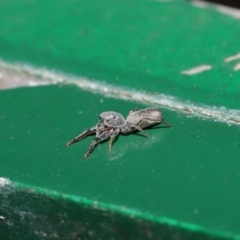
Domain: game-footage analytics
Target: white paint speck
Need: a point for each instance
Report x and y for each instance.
(197, 70)
(232, 58)
(237, 67)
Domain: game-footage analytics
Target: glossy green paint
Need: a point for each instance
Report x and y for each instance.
(51, 217)
(140, 44)
(181, 179)
(187, 173)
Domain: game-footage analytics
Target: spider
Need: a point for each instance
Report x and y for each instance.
(112, 124)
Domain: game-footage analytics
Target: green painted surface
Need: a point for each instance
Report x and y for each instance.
(139, 43)
(187, 173)
(58, 218)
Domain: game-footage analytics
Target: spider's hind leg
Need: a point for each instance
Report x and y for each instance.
(81, 136)
(167, 124)
(137, 127)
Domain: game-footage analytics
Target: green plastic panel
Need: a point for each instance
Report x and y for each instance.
(181, 183)
(30, 215)
(172, 175)
(138, 43)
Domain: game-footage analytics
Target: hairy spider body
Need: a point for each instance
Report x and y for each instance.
(112, 124)
(113, 119)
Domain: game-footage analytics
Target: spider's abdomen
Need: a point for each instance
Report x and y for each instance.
(145, 117)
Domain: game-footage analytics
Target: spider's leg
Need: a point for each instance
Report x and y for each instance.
(100, 137)
(81, 136)
(167, 124)
(139, 129)
(112, 138)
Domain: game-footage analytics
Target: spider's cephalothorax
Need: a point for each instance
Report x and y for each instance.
(112, 124)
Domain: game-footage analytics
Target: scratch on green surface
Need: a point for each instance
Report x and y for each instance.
(45, 76)
(132, 213)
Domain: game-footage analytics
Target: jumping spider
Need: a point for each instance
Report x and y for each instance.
(112, 124)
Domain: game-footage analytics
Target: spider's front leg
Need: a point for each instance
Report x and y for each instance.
(81, 136)
(101, 136)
